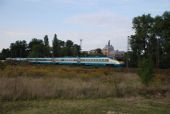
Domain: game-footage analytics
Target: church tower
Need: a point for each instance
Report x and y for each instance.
(108, 49)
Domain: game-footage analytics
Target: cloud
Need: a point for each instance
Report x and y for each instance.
(101, 27)
(104, 25)
(100, 19)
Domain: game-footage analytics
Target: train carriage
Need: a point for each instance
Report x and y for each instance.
(95, 61)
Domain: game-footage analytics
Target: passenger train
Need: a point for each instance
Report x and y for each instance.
(91, 61)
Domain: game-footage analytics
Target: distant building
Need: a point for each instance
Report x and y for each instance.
(109, 51)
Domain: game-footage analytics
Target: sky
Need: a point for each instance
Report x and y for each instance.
(94, 21)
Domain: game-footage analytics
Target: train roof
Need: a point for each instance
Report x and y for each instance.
(91, 57)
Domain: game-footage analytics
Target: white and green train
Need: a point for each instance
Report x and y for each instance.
(91, 61)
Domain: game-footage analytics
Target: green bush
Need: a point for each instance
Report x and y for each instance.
(145, 71)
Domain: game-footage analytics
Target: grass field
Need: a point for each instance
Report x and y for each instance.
(89, 106)
(38, 89)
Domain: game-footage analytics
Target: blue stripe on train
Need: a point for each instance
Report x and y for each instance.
(73, 63)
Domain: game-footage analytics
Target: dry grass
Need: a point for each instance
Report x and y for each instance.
(40, 82)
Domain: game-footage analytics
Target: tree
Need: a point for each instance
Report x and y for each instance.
(34, 42)
(69, 46)
(56, 46)
(165, 40)
(46, 42)
(38, 51)
(140, 42)
(19, 49)
(47, 47)
(76, 50)
(5, 54)
(37, 48)
(151, 40)
(145, 70)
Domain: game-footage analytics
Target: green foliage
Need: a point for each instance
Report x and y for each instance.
(47, 46)
(151, 38)
(19, 49)
(37, 48)
(61, 48)
(38, 51)
(5, 54)
(56, 46)
(145, 71)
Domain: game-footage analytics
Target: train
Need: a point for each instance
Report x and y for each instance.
(88, 61)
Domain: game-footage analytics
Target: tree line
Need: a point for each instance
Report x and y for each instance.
(151, 40)
(41, 48)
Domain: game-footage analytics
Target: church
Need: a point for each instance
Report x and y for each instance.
(109, 51)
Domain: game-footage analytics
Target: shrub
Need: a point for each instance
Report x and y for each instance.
(145, 71)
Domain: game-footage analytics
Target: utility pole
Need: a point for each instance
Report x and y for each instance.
(81, 40)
